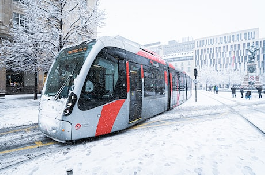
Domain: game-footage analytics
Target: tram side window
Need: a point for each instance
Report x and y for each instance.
(154, 83)
(181, 82)
(174, 81)
(104, 82)
(177, 82)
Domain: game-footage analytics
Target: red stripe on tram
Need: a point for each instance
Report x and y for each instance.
(108, 116)
(142, 71)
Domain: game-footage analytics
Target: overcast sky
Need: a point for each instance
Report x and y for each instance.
(147, 21)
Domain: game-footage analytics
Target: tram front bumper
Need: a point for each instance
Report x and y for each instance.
(56, 129)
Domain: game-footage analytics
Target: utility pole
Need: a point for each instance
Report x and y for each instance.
(195, 81)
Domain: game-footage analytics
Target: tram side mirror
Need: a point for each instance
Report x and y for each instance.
(70, 104)
(89, 87)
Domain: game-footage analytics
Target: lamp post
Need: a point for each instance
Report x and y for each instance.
(195, 81)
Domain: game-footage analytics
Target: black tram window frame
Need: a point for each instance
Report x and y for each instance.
(154, 81)
(88, 100)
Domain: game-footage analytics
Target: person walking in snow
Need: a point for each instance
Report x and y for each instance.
(259, 91)
(233, 92)
(216, 89)
(242, 92)
(248, 95)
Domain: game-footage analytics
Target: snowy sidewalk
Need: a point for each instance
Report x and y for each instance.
(18, 110)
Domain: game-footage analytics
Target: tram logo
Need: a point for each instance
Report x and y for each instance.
(77, 126)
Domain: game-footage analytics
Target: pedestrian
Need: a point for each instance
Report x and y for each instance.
(242, 91)
(233, 91)
(216, 89)
(248, 95)
(259, 91)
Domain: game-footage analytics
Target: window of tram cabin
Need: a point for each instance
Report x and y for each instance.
(105, 82)
(154, 82)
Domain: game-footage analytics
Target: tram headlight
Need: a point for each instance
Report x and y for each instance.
(70, 104)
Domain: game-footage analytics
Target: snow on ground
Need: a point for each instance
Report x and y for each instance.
(18, 110)
(219, 144)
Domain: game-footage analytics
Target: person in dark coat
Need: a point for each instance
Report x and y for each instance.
(233, 92)
(259, 91)
(242, 92)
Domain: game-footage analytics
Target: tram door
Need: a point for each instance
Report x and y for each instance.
(135, 92)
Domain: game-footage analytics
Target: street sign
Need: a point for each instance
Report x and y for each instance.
(195, 81)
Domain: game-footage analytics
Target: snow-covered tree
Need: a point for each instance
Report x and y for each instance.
(208, 76)
(45, 28)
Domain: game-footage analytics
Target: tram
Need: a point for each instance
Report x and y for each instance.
(106, 85)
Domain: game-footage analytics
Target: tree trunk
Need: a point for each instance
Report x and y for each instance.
(36, 85)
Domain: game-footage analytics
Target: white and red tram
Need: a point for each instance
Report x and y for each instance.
(106, 85)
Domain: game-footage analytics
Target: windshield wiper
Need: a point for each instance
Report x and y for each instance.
(67, 82)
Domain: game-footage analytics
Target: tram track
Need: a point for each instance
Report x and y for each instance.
(22, 143)
(247, 109)
(21, 136)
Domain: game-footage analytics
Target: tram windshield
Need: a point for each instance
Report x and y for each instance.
(65, 68)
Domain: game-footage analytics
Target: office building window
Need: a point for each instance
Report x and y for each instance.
(257, 44)
(248, 45)
(19, 19)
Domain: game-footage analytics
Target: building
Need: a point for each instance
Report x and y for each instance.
(10, 12)
(222, 59)
(5, 16)
(179, 54)
(228, 53)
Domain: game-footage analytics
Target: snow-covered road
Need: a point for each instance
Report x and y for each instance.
(212, 136)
